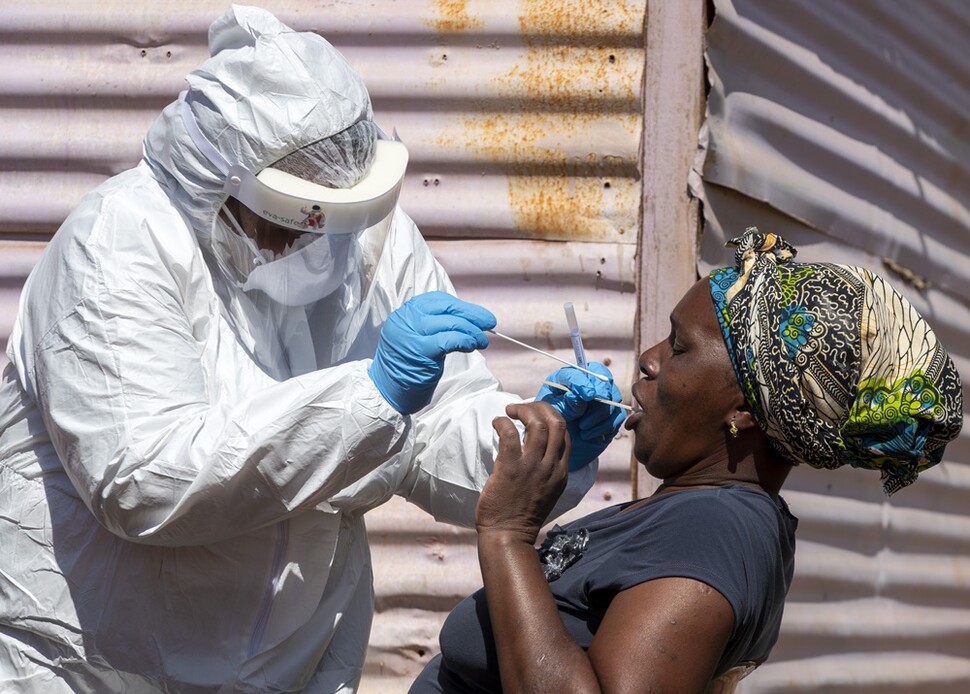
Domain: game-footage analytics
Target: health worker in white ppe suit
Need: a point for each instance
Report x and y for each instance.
(224, 357)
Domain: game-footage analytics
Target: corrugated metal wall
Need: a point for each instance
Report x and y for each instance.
(843, 126)
(523, 118)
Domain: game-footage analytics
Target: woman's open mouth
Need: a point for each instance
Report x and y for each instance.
(633, 418)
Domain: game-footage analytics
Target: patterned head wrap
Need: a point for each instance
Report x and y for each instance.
(836, 365)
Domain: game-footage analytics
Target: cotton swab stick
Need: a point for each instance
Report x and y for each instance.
(560, 386)
(551, 356)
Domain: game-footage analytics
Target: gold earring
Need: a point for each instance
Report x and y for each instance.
(734, 430)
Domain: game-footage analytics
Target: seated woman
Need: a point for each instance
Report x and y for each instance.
(768, 365)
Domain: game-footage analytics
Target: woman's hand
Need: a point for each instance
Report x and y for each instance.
(535, 652)
(592, 425)
(666, 634)
(529, 474)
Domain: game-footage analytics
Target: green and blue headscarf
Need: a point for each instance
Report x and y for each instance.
(836, 365)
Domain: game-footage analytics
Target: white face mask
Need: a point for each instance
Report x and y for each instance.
(309, 270)
(309, 274)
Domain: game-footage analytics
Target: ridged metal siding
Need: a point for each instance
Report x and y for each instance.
(523, 120)
(518, 115)
(843, 126)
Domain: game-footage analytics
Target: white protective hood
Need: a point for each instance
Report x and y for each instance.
(265, 92)
(183, 467)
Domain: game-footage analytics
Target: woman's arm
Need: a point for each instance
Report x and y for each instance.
(664, 634)
(667, 634)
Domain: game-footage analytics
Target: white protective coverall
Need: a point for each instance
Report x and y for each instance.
(183, 469)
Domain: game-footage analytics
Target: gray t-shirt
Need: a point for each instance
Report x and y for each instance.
(740, 541)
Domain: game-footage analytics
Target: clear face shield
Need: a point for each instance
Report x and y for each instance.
(294, 240)
(298, 241)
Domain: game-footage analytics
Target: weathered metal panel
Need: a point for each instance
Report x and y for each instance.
(843, 126)
(523, 119)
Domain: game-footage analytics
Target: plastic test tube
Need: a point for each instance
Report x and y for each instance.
(574, 334)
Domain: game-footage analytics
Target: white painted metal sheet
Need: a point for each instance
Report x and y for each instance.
(843, 127)
(523, 119)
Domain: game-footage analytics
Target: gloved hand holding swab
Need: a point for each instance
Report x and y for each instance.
(580, 352)
(591, 408)
(580, 401)
(560, 386)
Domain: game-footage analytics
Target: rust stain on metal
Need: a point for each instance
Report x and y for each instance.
(576, 69)
(559, 57)
(556, 207)
(552, 193)
(580, 17)
(453, 17)
(571, 44)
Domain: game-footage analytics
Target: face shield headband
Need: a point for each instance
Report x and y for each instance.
(298, 204)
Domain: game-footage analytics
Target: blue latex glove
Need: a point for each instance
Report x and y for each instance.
(591, 425)
(414, 341)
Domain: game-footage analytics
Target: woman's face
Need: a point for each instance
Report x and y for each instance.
(687, 392)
